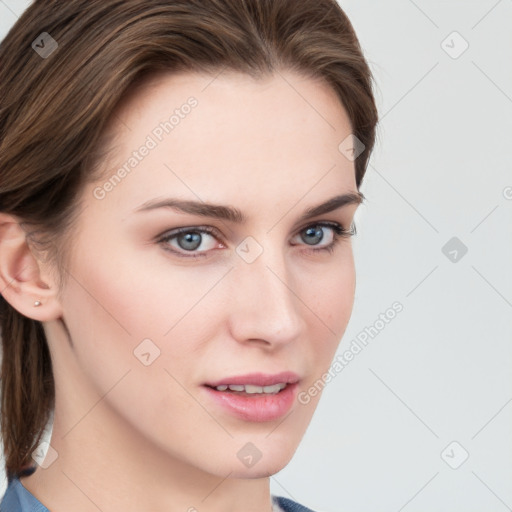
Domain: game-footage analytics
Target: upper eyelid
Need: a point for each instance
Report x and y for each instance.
(212, 230)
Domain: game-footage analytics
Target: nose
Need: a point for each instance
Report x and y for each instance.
(265, 304)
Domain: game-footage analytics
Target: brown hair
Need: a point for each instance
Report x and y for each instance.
(53, 112)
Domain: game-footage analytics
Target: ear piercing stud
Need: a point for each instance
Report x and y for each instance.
(37, 303)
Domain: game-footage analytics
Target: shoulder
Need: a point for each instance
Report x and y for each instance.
(19, 499)
(282, 504)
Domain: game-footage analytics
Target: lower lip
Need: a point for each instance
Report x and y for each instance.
(256, 407)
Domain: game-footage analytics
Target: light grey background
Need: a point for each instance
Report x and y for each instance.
(434, 384)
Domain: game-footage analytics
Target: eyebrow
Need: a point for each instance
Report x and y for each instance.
(232, 214)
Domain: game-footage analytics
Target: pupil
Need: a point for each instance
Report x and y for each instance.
(316, 233)
(191, 238)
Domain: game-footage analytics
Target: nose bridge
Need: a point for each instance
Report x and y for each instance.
(266, 303)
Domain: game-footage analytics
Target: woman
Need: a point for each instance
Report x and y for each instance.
(166, 169)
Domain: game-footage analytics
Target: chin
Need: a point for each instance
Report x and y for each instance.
(275, 455)
(250, 457)
(261, 469)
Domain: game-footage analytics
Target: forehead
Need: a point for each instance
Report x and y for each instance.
(229, 135)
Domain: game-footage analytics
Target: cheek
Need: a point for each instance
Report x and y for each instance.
(330, 295)
(138, 303)
(118, 319)
(331, 291)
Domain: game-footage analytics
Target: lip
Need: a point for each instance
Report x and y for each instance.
(257, 379)
(254, 407)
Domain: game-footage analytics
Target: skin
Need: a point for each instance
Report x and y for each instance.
(133, 437)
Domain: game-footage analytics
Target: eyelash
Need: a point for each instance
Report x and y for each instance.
(339, 233)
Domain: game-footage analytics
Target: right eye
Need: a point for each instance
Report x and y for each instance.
(189, 240)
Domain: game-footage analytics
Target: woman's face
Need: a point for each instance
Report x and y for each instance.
(153, 322)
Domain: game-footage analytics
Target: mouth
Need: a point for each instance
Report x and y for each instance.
(255, 397)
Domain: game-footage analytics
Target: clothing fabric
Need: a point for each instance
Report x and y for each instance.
(18, 499)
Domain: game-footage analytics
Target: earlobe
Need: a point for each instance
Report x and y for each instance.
(21, 282)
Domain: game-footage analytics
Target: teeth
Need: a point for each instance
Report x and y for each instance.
(253, 389)
(274, 389)
(250, 389)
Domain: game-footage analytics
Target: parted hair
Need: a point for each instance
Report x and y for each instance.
(54, 110)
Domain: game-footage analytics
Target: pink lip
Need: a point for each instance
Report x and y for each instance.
(255, 407)
(257, 379)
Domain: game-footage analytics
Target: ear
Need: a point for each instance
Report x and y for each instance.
(22, 278)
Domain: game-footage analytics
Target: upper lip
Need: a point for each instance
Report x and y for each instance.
(257, 379)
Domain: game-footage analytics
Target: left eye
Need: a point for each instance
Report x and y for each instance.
(190, 239)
